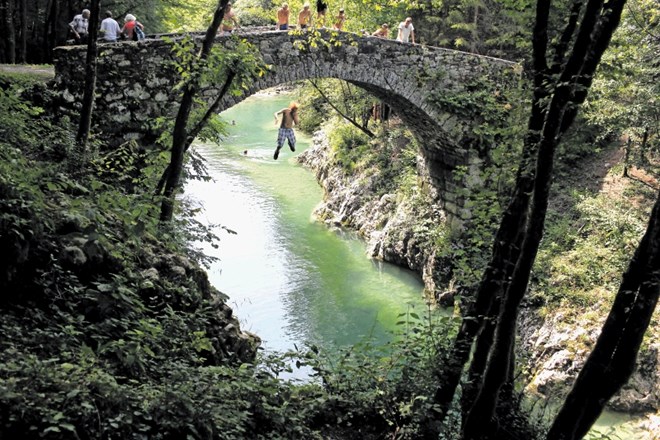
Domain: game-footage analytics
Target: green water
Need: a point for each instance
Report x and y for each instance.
(290, 279)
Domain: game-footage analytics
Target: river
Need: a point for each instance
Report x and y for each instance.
(290, 279)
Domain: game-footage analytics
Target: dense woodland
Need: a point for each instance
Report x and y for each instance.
(111, 330)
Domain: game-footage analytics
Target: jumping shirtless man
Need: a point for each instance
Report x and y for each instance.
(289, 118)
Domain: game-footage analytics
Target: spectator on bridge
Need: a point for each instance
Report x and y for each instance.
(283, 17)
(289, 118)
(110, 30)
(382, 32)
(304, 17)
(79, 27)
(406, 31)
(340, 19)
(229, 20)
(130, 23)
(321, 9)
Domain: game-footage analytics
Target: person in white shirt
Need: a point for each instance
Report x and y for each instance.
(79, 27)
(406, 31)
(110, 29)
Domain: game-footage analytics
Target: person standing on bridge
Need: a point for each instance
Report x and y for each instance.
(339, 21)
(406, 31)
(229, 21)
(304, 17)
(321, 9)
(130, 23)
(289, 118)
(109, 28)
(79, 26)
(283, 17)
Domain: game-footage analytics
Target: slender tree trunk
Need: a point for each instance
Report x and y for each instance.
(22, 53)
(90, 80)
(50, 29)
(612, 360)
(10, 30)
(643, 146)
(192, 134)
(180, 132)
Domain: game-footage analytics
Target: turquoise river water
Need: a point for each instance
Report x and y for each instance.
(291, 279)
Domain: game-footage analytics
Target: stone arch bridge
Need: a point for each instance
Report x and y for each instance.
(135, 84)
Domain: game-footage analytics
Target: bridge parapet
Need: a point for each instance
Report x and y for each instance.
(136, 84)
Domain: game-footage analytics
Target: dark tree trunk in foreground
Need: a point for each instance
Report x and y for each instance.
(22, 52)
(612, 360)
(196, 130)
(10, 31)
(180, 132)
(50, 28)
(90, 79)
(506, 247)
(570, 89)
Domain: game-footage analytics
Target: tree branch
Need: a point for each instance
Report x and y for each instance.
(342, 114)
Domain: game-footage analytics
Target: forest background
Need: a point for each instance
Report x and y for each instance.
(622, 106)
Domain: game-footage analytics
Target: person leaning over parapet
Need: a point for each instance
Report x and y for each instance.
(283, 17)
(340, 20)
(110, 30)
(304, 17)
(130, 23)
(406, 31)
(382, 32)
(229, 20)
(79, 26)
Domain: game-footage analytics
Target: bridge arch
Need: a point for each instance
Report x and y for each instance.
(136, 80)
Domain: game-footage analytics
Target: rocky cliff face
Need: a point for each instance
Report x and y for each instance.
(393, 228)
(384, 221)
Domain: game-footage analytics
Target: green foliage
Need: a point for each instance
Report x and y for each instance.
(570, 269)
(255, 13)
(378, 391)
(349, 145)
(187, 15)
(623, 98)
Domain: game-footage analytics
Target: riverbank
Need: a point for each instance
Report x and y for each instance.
(395, 229)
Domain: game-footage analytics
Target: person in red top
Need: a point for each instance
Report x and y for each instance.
(129, 26)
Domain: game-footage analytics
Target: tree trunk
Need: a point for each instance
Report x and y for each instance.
(595, 31)
(179, 134)
(22, 53)
(194, 132)
(10, 30)
(90, 80)
(612, 360)
(643, 146)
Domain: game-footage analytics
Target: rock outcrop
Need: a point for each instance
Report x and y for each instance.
(383, 221)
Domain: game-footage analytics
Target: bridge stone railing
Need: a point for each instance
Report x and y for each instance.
(135, 84)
